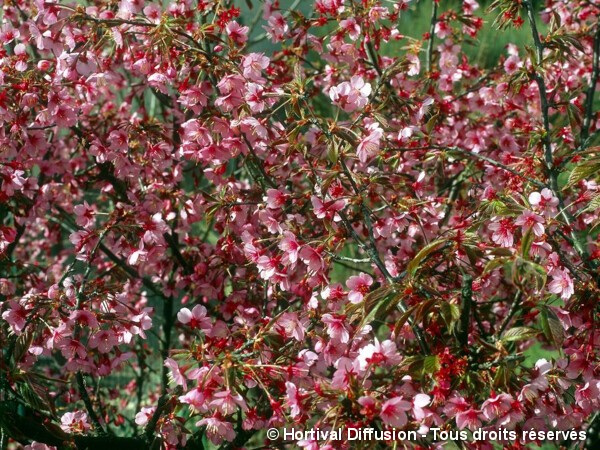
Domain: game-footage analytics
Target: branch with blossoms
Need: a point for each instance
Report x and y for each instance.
(218, 218)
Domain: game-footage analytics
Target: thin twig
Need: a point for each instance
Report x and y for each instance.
(465, 314)
(516, 304)
(548, 157)
(434, 19)
(589, 99)
(80, 299)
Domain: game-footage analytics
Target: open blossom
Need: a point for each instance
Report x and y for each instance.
(469, 418)
(276, 198)
(84, 215)
(292, 326)
(290, 246)
(276, 27)
(237, 33)
(561, 284)
(346, 371)
(336, 328)
(254, 97)
(228, 402)
(496, 406)
(351, 27)
(359, 286)
(196, 318)
(294, 399)
(144, 415)
(503, 232)
(217, 429)
(75, 422)
(531, 221)
(15, 316)
(351, 95)
(327, 209)
(544, 201)
(253, 64)
(196, 399)
(369, 145)
(312, 258)
(378, 354)
(104, 340)
(176, 373)
(393, 412)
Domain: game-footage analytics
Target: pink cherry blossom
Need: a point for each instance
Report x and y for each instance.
(503, 232)
(393, 412)
(144, 415)
(561, 284)
(359, 287)
(336, 328)
(352, 95)
(196, 318)
(75, 422)
(531, 221)
(228, 403)
(238, 33)
(369, 145)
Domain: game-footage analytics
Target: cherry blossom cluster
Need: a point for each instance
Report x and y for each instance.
(220, 218)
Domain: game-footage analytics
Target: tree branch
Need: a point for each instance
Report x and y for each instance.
(548, 157)
(432, 25)
(589, 99)
(465, 314)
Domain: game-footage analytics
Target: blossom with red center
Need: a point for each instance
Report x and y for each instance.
(531, 221)
(228, 402)
(75, 422)
(237, 33)
(351, 95)
(378, 354)
(294, 399)
(104, 340)
(336, 327)
(496, 405)
(544, 201)
(217, 429)
(359, 286)
(561, 284)
(393, 412)
(369, 145)
(196, 318)
(503, 231)
(291, 248)
(327, 209)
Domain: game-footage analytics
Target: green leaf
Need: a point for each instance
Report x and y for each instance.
(582, 171)
(502, 377)
(332, 153)
(524, 272)
(494, 264)
(414, 265)
(419, 310)
(526, 244)
(377, 303)
(431, 364)
(593, 205)
(552, 327)
(519, 334)
(450, 314)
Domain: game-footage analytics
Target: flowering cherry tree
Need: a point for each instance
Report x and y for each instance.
(219, 218)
